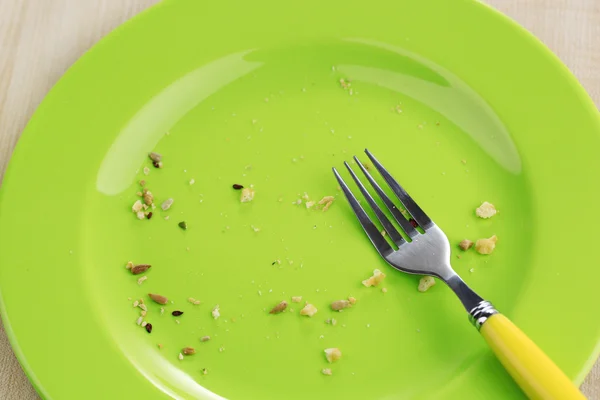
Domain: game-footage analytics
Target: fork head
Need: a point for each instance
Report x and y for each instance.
(426, 252)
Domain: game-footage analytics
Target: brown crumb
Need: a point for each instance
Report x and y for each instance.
(279, 308)
(155, 157)
(188, 351)
(375, 279)
(177, 313)
(326, 202)
(333, 354)
(238, 186)
(309, 310)
(465, 244)
(340, 305)
(352, 300)
(205, 338)
(148, 328)
(148, 197)
(149, 215)
(326, 371)
(157, 298)
(157, 164)
(486, 246)
(140, 268)
(142, 183)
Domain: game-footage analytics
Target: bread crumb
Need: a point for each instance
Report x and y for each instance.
(465, 244)
(486, 246)
(296, 299)
(180, 356)
(141, 280)
(384, 290)
(167, 204)
(140, 215)
(308, 310)
(352, 300)
(326, 202)
(129, 265)
(326, 371)
(205, 338)
(146, 170)
(333, 354)
(425, 283)
(194, 301)
(215, 312)
(486, 210)
(340, 305)
(331, 321)
(375, 279)
(247, 195)
(137, 206)
(279, 308)
(309, 204)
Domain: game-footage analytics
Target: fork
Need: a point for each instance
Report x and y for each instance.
(428, 253)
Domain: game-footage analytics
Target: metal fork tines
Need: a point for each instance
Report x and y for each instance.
(426, 252)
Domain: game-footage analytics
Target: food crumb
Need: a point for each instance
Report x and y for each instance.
(141, 280)
(486, 246)
(308, 310)
(194, 301)
(340, 305)
(425, 283)
(279, 308)
(296, 299)
(352, 300)
(192, 181)
(205, 338)
(137, 206)
(247, 195)
(486, 210)
(139, 320)
(375, 279)
(188, 351)
(129, 265)
(157, 298)
(333, 354)
(180, 356)
(465, 244)
(309, 204)
(182, 225)
(384, 290)
(237, 186)
(326, 202)
(167, 204)
(146, 171)
(326, 371)
(331, 321)
(204, 371)
(215, 312)
(160, 346)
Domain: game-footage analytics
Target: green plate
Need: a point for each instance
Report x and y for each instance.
(249, 93)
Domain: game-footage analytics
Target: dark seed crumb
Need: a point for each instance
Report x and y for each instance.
(413, 223)
(148, 328)
(182, 225)
(237, 186)
(274, 262)
(177, 313)
(156, 164)
(149, 215)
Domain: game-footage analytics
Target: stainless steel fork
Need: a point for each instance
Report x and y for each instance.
(428, 253)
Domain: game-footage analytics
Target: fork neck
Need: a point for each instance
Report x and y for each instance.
(467, 296)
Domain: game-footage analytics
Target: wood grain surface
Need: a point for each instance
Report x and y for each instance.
(40, 39)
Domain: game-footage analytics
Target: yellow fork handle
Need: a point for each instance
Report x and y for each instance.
(533, 371)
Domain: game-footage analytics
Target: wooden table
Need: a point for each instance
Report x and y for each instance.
(40, 39)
